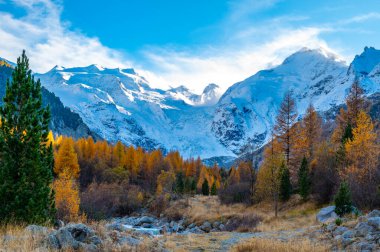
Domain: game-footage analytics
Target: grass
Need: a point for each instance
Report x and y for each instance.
(270, 245)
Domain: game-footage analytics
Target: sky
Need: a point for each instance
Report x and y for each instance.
(191, 43)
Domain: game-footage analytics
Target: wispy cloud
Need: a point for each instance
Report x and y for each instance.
(49, 41)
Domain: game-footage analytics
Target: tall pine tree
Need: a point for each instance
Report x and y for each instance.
(285, 185)
(26, 164)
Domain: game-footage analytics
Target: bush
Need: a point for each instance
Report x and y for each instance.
(107, 200)
(343, 202)
(236, 193)
(160, 204)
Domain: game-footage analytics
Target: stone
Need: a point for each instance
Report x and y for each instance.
(362, 229)
(73, 236)
(364, 246)
(206, 226)
(192, 225)
(374, 222)
(374, 213)
(216, 224)
(331, 227)
(222, 227)
(348, 234)
(340, 230)
(145, 219)
(327, 214)
(116, 226)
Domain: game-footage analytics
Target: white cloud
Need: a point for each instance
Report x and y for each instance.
(225, 66)
(48, 41)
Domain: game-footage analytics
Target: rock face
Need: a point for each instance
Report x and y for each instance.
(327, 214)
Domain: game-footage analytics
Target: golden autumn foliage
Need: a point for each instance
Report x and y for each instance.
(66, 161)
(66, 198)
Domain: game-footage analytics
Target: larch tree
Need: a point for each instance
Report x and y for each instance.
(269, 175)
(66, 187)
(26, 164)
(286, 117)
(363, 159)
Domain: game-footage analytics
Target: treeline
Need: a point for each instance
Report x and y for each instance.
(307, 157)
(100, 180)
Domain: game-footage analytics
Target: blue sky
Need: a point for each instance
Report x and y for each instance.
(190, 43)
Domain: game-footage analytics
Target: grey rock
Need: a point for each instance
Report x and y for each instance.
(374, 222)
(206, 226)
(364, 246)
(348, 234)
(374, 213)
(192, 225)
(145, 219)
(216, 224)
(73, 236)
(340, 230)
(331, 227)
(362, 229)
(222, 227)
(196, 230)
(116, 226)
(327, 214)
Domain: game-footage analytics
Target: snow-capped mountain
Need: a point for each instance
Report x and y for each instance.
(119, 104)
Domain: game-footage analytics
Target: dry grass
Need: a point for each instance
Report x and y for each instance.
(14, 238)
(293, 214)
(194, 242)
(270, 245)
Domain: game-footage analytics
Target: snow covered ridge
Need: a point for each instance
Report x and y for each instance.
(119, 104)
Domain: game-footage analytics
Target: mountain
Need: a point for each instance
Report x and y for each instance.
(119, 104)
(63, 120)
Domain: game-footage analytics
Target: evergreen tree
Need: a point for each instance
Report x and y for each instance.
(285, 186)
(193, 186)
(180, 186)
(26, 165)
(347, 134)
(213, 189)
(304, 180)
(205, 188)
(343, 202)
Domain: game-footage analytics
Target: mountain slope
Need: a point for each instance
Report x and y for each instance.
(119, 104)
(63, 120)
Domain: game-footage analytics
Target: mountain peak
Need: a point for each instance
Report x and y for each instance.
(320, 54)
(366, 61)
(210, 87)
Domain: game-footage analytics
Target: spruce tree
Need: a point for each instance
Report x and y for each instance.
(180, 186)
(304, 179)
(205, 188)
(285, 185)
(343, 202)
(213, 189)
(193, 186)
(26, 164)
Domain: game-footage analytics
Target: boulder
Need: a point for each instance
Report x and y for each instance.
(327, 214)
(374, 213)
(374, 222)
(362, 229)
(129, 240)
(145, 219)
(222, 227)
(340, 230)
(348, 234)
(192, 225)
(206, 226)
(73, 236)
(364, 246)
